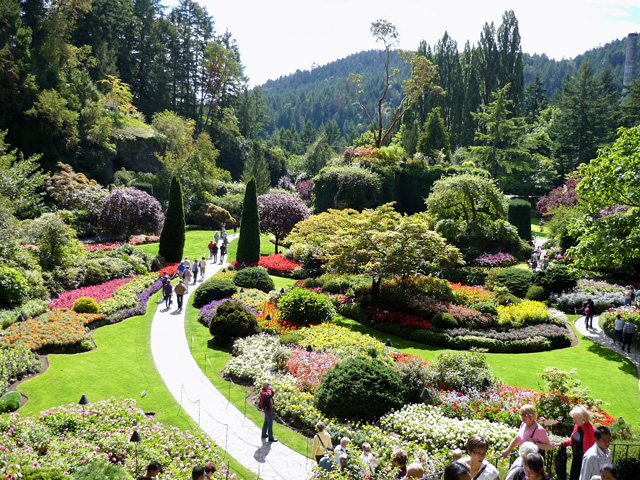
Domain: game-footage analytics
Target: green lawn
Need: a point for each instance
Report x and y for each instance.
(535, 228)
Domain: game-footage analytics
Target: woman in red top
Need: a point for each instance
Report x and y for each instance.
(582, 438)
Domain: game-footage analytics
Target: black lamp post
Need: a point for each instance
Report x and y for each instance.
(309, 348)
(426, 395)
(388, 343)
(486, 383)
(135, 438)
(83, 401)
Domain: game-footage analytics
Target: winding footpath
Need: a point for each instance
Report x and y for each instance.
(597, 335)
(223, 422)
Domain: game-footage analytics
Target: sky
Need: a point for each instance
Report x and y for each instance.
(278, 37)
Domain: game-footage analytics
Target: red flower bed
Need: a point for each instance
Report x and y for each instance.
(402, 357)
(275, 264)
(309, 367)
(274, 324)
(170, 268)
(403, 319)
(97, 292)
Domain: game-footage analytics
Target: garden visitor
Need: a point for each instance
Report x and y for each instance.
(223, 252)
(321, 442)
(530, 431)
(211, 244)
(341, 448)
(153, 469)
(628, 292)
(216, 237)
(345, 468)
(203, 267)
(187, 277)
(209, 469)
(194, 269)
(369, 462)
(223, 233)
(480, 469)
(618, 325)
(197, 473)
(415, 470)
(187, 263)
(608, 472)
(167, 291)
(326, 463)
(266, 403)
(598, 455)
(582, 439)
(533, 468)
(399, 459)
(180, 290)
(214, 252)
(181, 269)
(165, 279)
(456, 454)
(589, 311)
(628, 332)
(456, 471)
(235, 227)
(525, 449)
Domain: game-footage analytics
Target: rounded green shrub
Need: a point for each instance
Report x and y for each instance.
(303, 307)
(213, 289)
(444, 320)
(538, 293)
(360, 388)
(556, 278)
(254, 277)
(10, 401)
(232, 320)
(486, 307)
(85, 305)
(517, 280)
(459, 370)
(213, 216)
(13, 286)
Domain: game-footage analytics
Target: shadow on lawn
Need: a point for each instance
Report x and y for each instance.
(605, 352)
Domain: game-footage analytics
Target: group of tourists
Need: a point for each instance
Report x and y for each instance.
(215, 249)
(590, 448)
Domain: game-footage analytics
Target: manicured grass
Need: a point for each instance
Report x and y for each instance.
(283, 282)
(535, 228)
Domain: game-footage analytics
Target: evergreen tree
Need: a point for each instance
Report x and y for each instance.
(257, 168)
(434, 137)
(535, 99)
(172, 237)
(249, 240)
(511, 68)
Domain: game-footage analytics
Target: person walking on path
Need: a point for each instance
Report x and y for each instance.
(618, 325)
(628, 332)
(589, 312)
(211, 244)
(167, 290)
(203, 268)
(194, 269)
(216, 237)
(187, 277)
(214, 250)
(181, 269)
(180, 290)
(223, 252)
(266, 403)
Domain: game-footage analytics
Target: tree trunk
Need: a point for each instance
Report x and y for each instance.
(375, 286)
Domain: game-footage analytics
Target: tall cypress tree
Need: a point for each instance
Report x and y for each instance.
(173, 233)
(249, 241)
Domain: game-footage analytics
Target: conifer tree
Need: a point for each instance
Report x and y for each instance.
(249, 240)
(434, 137)
(172, 237)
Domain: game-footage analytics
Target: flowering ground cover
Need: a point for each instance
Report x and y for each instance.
(308, 368)
(170, 268)
(108, 246)
(500, 259)
(127, 296)
(276, 264)
(97, 292)
(405, 319)
(65, 438)
(14, 363)
(469, 295)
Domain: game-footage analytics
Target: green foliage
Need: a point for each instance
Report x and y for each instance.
(345, 187)
(434, 139)
(213, 289)
(10, 401)
(249, 240)
(360, 388)
(256, 167)
(486, 307)
(519, 216)
(101, 470)
(413, 376)
(85, 305)
(212, 216)
(254, 277)
(459, 370)
(43, 473)
(13, 286)
(29, 309)
(172, 237)
(444, 320)
(291, 339)
(304, 307)
(232, 320)
(58, 246)
(102, 269)
(537, 293)
(517, 280)
(556, 278)
(231, 202)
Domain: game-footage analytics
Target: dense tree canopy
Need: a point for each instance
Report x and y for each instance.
(279, 213)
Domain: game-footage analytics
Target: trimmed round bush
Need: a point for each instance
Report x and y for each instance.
(303, 307)
(488, 308)
(232, 320)
(10, 401)
(517, 280)
(13, 286)
(459, 370)
(213, 289)
(360, 388)
(556, 278)
(254, 277)
(444, 320)
(538, 293)
(212, 216)
(85, 305)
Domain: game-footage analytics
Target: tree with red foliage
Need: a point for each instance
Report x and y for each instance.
(563, 195)
(129, 210)
(279, 213)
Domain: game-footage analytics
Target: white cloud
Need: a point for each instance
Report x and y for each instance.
(277, 37)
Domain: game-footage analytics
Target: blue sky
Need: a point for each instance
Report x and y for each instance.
(277, 37)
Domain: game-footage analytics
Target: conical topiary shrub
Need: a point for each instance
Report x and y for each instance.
(172, 237)
(249, 240)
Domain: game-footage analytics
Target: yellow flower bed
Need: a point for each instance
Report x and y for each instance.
(525, 312)
(340, 341)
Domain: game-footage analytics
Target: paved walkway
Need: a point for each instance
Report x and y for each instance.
(224, 423)
(597, 335)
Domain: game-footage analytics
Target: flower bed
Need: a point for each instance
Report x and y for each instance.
(469, 295)
(127, 296)
(54, 331)
(108, 246)
(341, 341)
(256, 357)
(65, 439)
(14, 363)
(500, 259)
(574, 302)
(627, 313)
(170, 268)
(97, 292)
(270, 321)
(525, 312)
(141, 299)
(276, 264)
(308, 368)
(596, 286)
(206, 312)
(404, 319)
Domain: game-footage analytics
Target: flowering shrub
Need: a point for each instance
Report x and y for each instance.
(340, 341)
(127, 295)
(469, 295)
(404, 319)
(470, 317)
(428, 426)
(627, 313)
(256, 357)
(305, 189)
(574, 302)
(206, 313)
(277, 265)
(251, 297)
(170, 268)
(308, 368)
(518, 314)
(64, 438)
(501, 259)
(14, 363)
(552, 332)
(597, 286)
(97, 292)
(55, 330)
